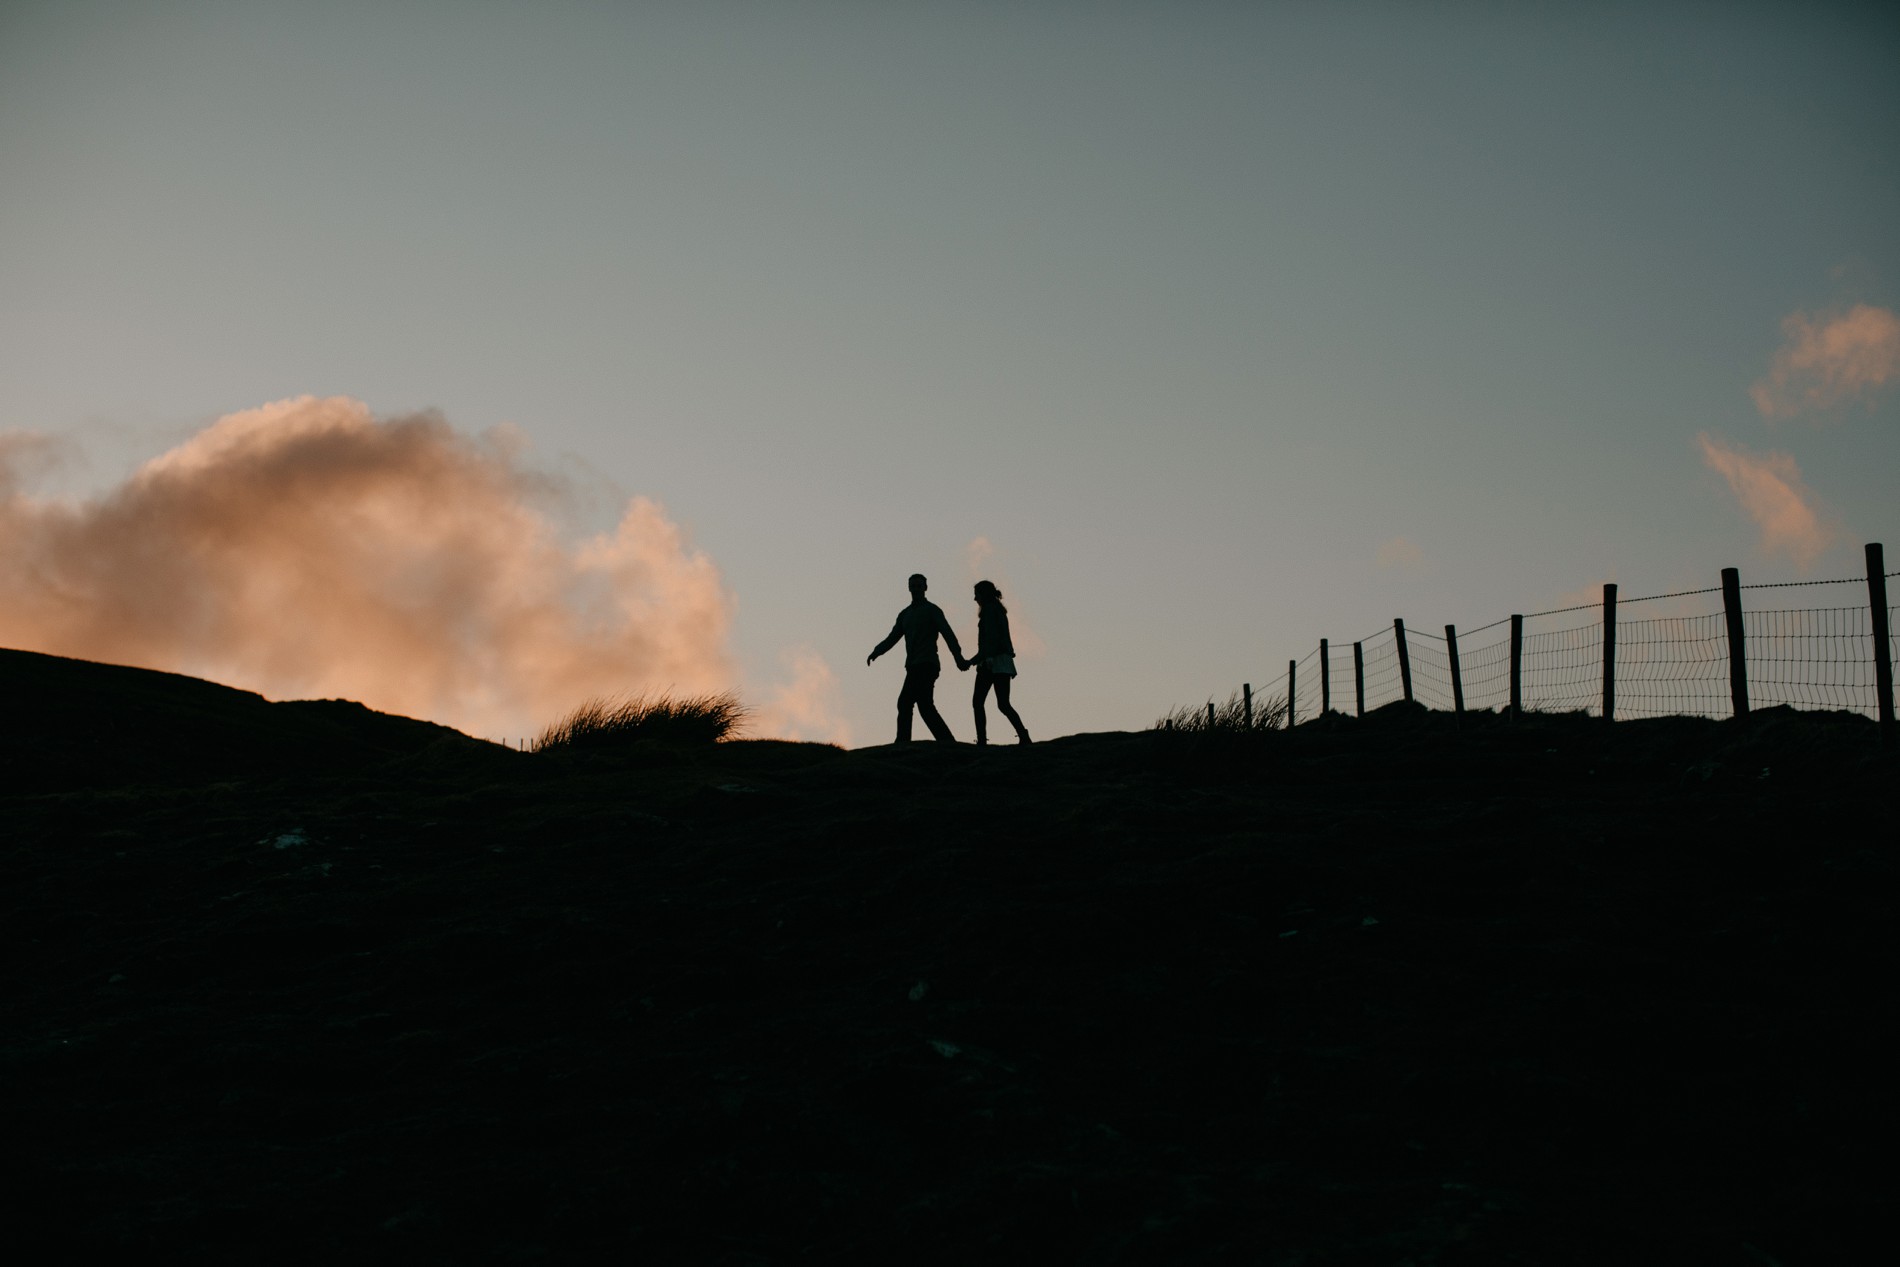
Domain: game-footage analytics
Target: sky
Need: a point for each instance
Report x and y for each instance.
(466, 358)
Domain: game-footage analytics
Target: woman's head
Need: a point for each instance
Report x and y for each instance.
(988, 593)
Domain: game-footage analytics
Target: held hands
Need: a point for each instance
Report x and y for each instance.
(963, 666)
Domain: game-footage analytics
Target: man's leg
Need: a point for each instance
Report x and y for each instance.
(906, 699)
(925, 692)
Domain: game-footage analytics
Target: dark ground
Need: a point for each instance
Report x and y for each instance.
(307, 983)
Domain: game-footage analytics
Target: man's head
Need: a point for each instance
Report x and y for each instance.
(918, 585)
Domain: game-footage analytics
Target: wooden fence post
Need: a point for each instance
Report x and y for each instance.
(1405, 660)
(1737, 654)
(1292, 667)
(1246, 695)
(1517, 666)
(1359, 675)
(1609, 651)
(1883, 635)
(1210, 715)
(1457, 677)
(1325, 680)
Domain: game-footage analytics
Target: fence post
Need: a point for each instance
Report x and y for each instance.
(1246, 695)
(1292, 666)
(1883, 635)
(1405, 660)
(1517, 666)
(1457, 678)
(1325, 680)
(1737, 655)
(1210, 715)
(1609, 651)
(1359, 675)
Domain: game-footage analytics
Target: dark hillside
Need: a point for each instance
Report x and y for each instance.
(74, 723)
(1382, 991)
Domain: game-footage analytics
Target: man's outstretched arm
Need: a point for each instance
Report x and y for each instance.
(890, 640)
(949, 637)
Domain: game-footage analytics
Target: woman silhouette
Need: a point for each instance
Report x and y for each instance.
(995, 660)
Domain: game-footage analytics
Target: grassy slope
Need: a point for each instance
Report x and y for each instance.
(770, 1001)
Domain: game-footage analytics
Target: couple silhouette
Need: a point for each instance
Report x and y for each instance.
(919, 626)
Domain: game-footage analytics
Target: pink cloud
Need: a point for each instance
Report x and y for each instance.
(1830, 360)
(1770, 490)
(980, 562)
(307, 548)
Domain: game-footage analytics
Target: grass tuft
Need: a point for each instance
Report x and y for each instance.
(614, 722)
(1269, 713)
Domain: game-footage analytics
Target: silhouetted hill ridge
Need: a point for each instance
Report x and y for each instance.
(1380, 990)
(79, 723)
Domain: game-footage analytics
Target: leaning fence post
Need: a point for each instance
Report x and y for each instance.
(1359, 675)
(1246, 696)
(1737, 655)
(1517, 666)
(1325, 680)
(1883, 646)
(1292, 668)
(1609, 651)
(1457, 678)
(1405, 660)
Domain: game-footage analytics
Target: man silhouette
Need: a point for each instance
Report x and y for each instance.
(918, 625)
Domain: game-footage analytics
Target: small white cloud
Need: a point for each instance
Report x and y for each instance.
(975, 556)
(1583, 595)
(26, 456)
(1399, 552)
(806, 705)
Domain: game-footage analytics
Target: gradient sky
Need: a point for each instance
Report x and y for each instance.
(1225, 326)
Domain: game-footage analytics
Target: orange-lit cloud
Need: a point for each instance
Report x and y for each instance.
(309, 549)
(1399, 552)
(1769, 488)
(1830, 360)
(805, 707)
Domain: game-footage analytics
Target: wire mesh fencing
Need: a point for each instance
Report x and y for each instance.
(1487, 666)
(1672, 665)
(1727, 657)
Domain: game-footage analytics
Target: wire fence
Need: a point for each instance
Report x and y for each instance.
(1680, 664)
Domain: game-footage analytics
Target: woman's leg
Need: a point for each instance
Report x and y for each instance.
(1002, 706)
(983, 680)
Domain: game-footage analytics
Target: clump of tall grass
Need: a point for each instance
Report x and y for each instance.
(616, 721)
(1269, 713)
